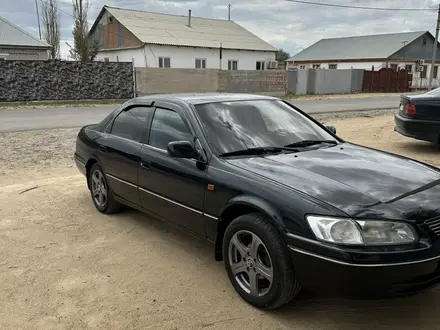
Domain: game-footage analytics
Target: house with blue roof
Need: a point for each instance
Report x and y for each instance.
(411, 51)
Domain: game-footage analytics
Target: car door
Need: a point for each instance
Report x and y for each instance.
(170, 187)
(119, 151)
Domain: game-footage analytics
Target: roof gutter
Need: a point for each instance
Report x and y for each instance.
(9, 46)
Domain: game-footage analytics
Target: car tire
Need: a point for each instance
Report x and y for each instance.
(102, 195)
(254, 234)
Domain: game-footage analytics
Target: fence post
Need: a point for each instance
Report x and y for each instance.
(134, 78)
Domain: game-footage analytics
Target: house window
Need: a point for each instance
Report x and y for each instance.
(435, 71)
(316, 66)
(423, 72)
(164, 62)
(332, 66)
(232, 65)
(260, 65)
(106, 59)
(2, 59)
(200, 63)
(302, 66)
(408, 68)
(394, 67)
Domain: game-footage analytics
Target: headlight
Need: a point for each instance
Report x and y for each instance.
(365, 232)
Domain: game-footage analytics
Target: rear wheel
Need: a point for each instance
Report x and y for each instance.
(258, 263)
(101, 192)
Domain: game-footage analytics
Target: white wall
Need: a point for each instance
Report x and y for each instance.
(348, 65)
(184, 57)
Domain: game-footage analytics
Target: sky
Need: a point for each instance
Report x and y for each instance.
(286, 25)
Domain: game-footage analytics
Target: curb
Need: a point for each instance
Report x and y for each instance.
(350, 110)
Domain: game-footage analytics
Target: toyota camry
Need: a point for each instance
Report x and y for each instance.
(286, 203)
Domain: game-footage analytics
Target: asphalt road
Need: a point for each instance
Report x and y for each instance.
(62, 117)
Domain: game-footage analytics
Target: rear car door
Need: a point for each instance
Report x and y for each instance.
(170, 187)
(119, 150)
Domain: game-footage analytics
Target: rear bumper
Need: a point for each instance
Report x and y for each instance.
(425, 130)
(80, 164)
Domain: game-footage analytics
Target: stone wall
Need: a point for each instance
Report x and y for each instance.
(65, 80)
(162, 80)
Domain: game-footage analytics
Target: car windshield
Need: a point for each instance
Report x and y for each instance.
(238, 125)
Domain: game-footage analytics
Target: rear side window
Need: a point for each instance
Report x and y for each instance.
(131, 124)
(168, 126)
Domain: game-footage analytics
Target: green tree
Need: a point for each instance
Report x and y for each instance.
(83, 49)
(282, 56)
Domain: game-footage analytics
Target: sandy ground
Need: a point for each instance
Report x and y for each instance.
(63, 265)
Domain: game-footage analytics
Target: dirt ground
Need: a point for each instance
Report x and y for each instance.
(63, 265)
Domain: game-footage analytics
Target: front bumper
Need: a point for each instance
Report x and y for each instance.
(425, 130)
(333, 276)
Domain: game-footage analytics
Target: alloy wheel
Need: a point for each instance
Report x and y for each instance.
(99, 188)
(250, 263)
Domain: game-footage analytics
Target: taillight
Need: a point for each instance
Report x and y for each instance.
(410, 109)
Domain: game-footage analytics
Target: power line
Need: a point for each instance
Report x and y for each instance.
(38, 18)
(359, 7)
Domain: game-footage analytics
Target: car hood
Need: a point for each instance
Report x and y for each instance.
(358, 181)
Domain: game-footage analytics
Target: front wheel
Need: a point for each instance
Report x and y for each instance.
(258, 263)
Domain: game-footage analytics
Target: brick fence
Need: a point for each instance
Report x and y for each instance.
(65, 80)
(161, 80)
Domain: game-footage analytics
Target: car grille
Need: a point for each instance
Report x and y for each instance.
(434, 225)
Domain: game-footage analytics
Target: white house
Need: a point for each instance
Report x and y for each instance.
(172, 41)
(411, 51)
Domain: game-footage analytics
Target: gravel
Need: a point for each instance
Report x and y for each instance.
(353, 114)
(36, 150)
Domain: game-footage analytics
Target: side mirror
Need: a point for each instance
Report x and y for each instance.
(332, 129)
(181, 149)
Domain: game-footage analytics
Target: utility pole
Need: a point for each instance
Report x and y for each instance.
(434, 51)
(229, 12)
(38, 18)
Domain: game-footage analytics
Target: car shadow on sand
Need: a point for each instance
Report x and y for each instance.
(309, 309)
(420, 147)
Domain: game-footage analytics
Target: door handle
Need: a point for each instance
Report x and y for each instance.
(103, 148)
(145, 163)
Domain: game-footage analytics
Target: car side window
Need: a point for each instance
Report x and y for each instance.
(131, 124)
(167, 126)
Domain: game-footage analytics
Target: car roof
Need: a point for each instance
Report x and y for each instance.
(201, 98)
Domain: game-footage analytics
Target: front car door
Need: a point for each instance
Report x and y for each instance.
(120, 149)
(170, 187)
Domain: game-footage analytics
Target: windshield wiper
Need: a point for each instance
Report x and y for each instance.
(306, 143)
(256, 151)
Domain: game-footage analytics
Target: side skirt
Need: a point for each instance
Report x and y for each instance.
(158, 217)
